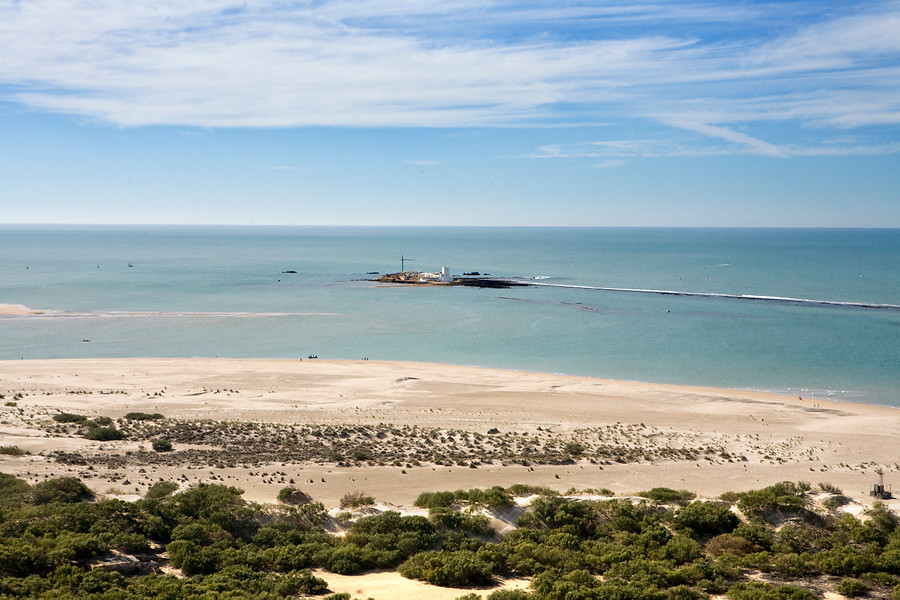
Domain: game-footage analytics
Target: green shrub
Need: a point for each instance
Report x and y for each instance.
(729, 497)
(508, 595)
(99, 422)
(356, 500)
(300, 582)
(853, 587)
(664, 495)
(835, 502)
(574, 449)
(756, 590)
(69, 418)
(142, 416)
(784, 496)
(61, 489)
(448, 569)
(291, 495)
(727, 543)
(161, 489)
(11, 451)
(361, 453)
(449, 519)
(830, 488)
(162, 445)
(434, 499)
(520, 489)
(104, 434)
(706, 518)
(756, 533)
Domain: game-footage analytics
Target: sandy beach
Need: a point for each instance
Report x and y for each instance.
(395, 429)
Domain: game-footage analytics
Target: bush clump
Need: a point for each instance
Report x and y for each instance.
(756, 590)
(782, 497)
(495, 498)
(65, 417)
(67, 490)
(162, 445)
(664, 495)
(448, 569)
(356, 500)
(291, 495)
(142, 416)
(104, 434)
(161, 489)
(852, 588)
(706, 518)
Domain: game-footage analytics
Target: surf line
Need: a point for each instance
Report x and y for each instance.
(778, 299)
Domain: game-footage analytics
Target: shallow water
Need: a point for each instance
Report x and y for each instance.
(222, 291)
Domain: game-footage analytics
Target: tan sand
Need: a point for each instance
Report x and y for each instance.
(390, 584)
(746, 440)
(17, 310)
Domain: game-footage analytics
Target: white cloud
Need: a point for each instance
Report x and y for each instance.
(700, 66)
(755, 145)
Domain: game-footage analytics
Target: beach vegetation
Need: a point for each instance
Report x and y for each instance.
(356, 499)
(461, 568)
(142, 416)
(51, 533)
(11, 451)
(664, 495)
(785, 497)
(729, 497)
(104, 434)
(493, 498)
(161, 489)
(706, 518)
(574, 448)
(852, 588)
(65, 417)
(162, 445)
(292, 495)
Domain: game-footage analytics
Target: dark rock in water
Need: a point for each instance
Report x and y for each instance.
(289, 272)
(472, 274)
(371, 272)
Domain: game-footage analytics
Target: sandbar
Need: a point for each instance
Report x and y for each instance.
(18, 310)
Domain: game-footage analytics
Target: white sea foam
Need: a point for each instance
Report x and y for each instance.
(781, 299)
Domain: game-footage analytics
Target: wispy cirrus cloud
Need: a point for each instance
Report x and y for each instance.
(696, 66)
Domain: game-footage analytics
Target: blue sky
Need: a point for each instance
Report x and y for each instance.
(459, 112)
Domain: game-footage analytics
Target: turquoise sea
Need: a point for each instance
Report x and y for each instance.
(222, 291)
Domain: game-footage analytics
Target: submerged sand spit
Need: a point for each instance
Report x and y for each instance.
(395, 429)
(17, 310)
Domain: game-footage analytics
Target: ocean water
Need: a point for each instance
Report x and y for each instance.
(222, 291)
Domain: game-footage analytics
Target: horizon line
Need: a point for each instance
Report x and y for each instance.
(422, 226)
